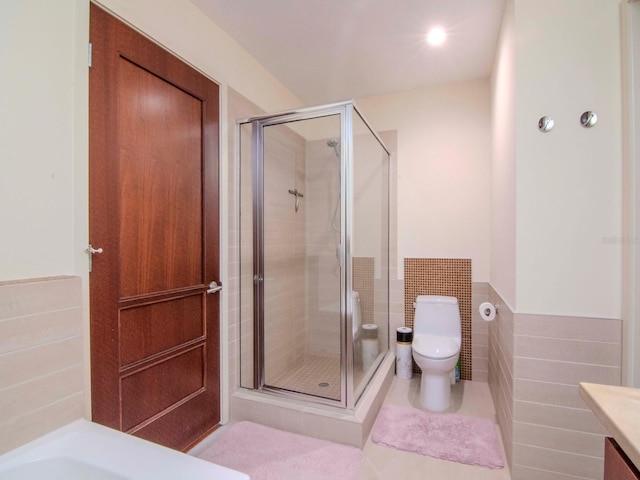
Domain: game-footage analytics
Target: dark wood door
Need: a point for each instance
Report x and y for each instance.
(153, 146)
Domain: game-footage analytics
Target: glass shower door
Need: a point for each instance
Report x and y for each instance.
(299, 270)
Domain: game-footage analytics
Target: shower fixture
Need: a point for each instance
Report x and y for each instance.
(298, 196)
(335, 144)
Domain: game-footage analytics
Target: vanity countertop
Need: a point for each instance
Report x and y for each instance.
(618, 408)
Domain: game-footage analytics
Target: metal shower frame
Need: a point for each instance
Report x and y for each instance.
(346, 111)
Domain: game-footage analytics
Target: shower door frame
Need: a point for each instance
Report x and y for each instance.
(346, 354)
(345, 110)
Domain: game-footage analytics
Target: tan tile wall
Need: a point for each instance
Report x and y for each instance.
(285, 314)
(555, 435)
(479, 334)
(396, 283)
(286, 328)
(321, 190)
(238, 107)
(442, 276)
(500, 373)
(41, 358)
(535, 365)
(363, 284)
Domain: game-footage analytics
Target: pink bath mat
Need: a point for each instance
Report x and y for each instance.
(265, 453)
(461, 439)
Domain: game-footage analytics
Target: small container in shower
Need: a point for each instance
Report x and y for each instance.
(370, 347)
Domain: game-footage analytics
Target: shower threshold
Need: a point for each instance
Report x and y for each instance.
(351, 427)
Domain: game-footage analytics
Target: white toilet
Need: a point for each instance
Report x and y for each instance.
(436, 348)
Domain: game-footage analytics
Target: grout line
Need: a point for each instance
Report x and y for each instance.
(566, 362)
(554, 450)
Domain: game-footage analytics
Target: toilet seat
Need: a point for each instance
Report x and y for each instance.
(435, 347)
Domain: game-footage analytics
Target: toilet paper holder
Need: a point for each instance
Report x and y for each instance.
(488, 311)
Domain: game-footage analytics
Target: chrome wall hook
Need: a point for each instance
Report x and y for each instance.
(588, 119)
(545, 124)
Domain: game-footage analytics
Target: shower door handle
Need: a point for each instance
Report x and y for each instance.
(214, 287)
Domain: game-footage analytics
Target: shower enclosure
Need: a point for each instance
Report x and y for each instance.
(314, 253)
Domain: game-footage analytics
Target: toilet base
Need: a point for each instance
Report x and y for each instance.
(435, 391)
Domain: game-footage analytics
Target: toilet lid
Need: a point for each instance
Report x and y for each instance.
(436, 347)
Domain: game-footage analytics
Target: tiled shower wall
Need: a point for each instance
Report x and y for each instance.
(479, 334)
(321, 190)
(240, 352)
(285, 312)
(501, 370)
(41, 358)
(363, 283)
(286, 332)
(442, 276)
(535, 365)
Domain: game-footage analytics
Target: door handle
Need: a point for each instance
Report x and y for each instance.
(214, 287)
(92, 251)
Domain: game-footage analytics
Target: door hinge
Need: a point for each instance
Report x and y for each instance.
(90, 54)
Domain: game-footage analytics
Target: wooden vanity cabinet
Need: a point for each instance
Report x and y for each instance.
(617, 465)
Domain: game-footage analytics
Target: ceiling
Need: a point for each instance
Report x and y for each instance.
(333, 50)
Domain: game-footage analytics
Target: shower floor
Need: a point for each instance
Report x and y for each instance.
(314, 375)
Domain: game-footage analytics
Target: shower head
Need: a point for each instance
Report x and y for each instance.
(335, 144)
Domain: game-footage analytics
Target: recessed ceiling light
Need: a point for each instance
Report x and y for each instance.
(436, 36)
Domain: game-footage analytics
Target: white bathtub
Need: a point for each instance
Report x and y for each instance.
(85, 450)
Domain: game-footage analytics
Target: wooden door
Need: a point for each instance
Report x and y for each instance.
(154, 212)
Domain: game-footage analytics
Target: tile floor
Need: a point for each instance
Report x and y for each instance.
(314, 375)
(468, 398)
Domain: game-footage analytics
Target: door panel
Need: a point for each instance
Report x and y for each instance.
(150, 330)
(160, 168)
(145, 393)
(154, 211)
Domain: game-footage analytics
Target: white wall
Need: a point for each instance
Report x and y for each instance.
(444, 152)
(631, 259)
(44, 125)
(568, 181)
(42, 131)
(182, 28)
(503, 163)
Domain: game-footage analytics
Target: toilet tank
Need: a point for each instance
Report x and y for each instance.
(437, 315)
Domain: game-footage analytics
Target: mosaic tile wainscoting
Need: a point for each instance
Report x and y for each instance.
(363, 283)
(442, 276)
